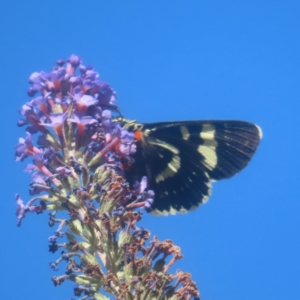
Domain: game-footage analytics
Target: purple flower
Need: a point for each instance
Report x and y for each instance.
(38, 159)
(53, 266)
(38, 184)
(35, 88)
(58, 74)
(30, 168)
(37, 188)
(95, 112)
(86, 120)
(74, 60)
(49, 154)
(65, 102)
(36, 77)
(145, 198)
(82, 124)
(106, 95)
(119, 211)
(38, 83)
(139, 187)
(58, 280)
(91, 75)
(25, 148)
(149, 199)
(127, 137)
(60, 62)
(27, 109)
(127, 146)
(83, 103)
(95, 147)
(64, 171)
(43, 142)
(140, 232)
(79, 289)
(83, 69)
(41, 103)
(57, 121)
(31, 117)
(20, 211)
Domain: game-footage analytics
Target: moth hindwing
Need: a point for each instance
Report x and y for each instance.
(181, 159)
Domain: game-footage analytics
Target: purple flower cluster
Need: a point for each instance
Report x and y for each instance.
(79, 151)
(74, 115)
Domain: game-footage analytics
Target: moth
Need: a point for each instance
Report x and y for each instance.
(182, 159)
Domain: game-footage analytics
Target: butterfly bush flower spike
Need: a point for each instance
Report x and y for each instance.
(78, 166)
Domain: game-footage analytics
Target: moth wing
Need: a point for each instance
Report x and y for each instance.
(181, 158)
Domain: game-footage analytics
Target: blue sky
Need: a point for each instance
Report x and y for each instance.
(173, 60)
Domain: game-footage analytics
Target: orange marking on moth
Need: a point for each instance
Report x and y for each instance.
(138, 135)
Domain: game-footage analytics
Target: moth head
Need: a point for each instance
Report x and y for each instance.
(132, 126)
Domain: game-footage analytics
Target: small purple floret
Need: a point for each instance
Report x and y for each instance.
(74, 60)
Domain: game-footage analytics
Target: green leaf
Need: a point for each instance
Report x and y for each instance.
(53, 207)
(70, 237)
(86, 246)
(89, 259)
(85, 177)
(98, 173)
(107, 205)
(121, 275)
(75, 226)
(52, 140)
(87, 232)
(84, 279)
(100, 297)
(73, 200)
(124, 238)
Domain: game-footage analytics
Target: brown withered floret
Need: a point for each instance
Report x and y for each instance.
(75, 246)
(74, 214)
(88, 219)
(73, 267)
(175, 250)
(94, 271)
(82, 195)
(113, 226)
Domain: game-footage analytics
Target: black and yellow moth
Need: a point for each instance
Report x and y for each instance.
(181, 159)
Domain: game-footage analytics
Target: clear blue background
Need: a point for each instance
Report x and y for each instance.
(172, 60)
